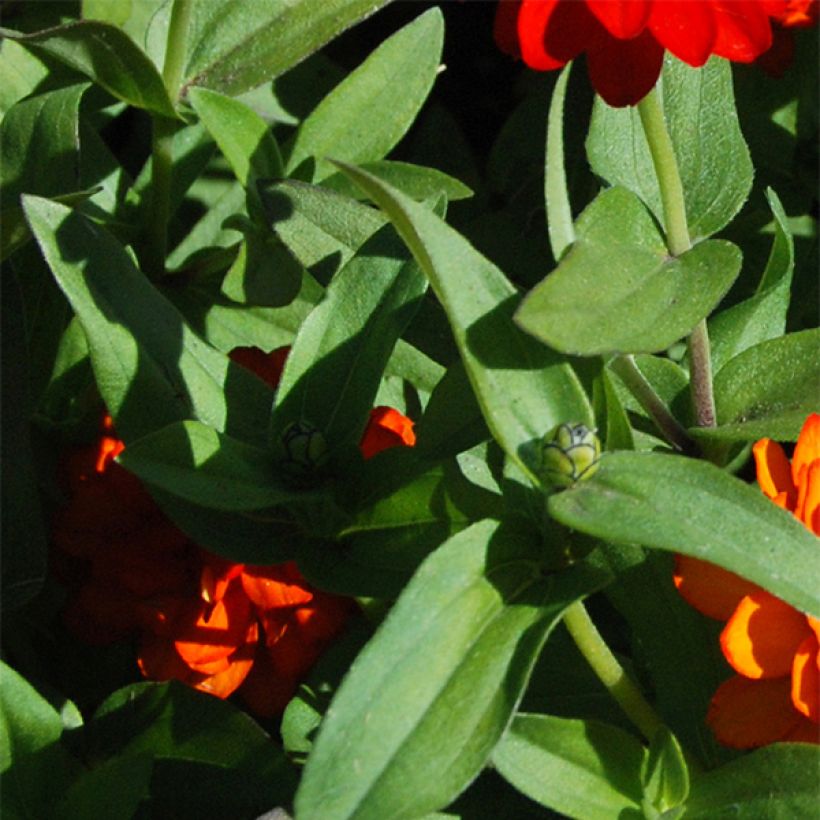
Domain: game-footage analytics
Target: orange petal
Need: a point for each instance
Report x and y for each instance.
(217, 573)
(807, 448)
(158, 660)
(208, 632)
(266, 690)
(386, 428)
(760, 639)
(745, 713)
(814, 624)
(806, 679)
(807, 508)
(804, 732)
(225, 683)
(712, 590)
(773, 470)
(275, 586)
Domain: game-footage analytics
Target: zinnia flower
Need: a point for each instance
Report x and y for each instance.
(797, 14)
(216, 625)
(775, 695)
(624, 40)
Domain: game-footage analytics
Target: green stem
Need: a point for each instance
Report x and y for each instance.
(678, 241)
(605, 665)
(176, 46)
(637, 384)
(162, 143)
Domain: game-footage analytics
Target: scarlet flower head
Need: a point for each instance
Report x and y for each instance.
(772, 647)
(624, 40)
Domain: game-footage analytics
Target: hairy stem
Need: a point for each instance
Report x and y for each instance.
(637, 384)
(605, 665)
(678, 242)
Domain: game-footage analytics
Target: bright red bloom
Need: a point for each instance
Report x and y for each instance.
(772, 646)
(215, 625)
(624, 40)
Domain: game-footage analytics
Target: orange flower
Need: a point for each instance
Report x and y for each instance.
(773, 647)
(215, 625)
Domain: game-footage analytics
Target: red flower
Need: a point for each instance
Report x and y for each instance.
(774, 649)
(797, 14)
(215, 625)
(624, 40)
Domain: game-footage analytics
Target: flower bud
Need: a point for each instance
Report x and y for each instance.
(569, 453)
(303, 449)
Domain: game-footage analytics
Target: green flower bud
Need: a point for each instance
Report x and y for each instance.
(569, 453)
(303, 449)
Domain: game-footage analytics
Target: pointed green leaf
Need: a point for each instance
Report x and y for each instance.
(372, 108)
(241, 134)
(30, 754)
(556, 196)
(338, 357)
(664, 774)
(200, 465)
(579, 768)
(776, 781)
(106, 55)
(618, 290)
(150, 367)
(322, 229)
(522, 387)
(234, 47)
(672, 503)
(768, 390)
(700, 113)
(427, 699)
(417, 181)
(40, 145)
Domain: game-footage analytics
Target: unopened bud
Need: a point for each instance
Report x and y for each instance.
(569, 453)
(304, 448)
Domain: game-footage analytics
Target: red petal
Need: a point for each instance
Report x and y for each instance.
(743, 30)
(746, 713)
(760, 639)
(267, 366)
(553, 32)
(685, 28)
(266, 690)
(505, 27)
(806, 679)
(623, 19)
(710, 589)
(623, 72)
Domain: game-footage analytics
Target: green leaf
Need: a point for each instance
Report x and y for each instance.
(234, 47)
(113, 790)
(205, 467)
(700, 113)
(106, 55)
(618, 291)
(338, 357)
(556, 196)
(372, 108)
(672, 503)
(136, 18)
(322, 229)
(425, 702)
(762, 316)
(30, 754)
(22, 72)
(170, 721)
(150, 367)
(664, 774)
(768, 390)
(40, 144)
(776, 781)
(417, 181)
(580, 768)
(241, 134)
(523, 389)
